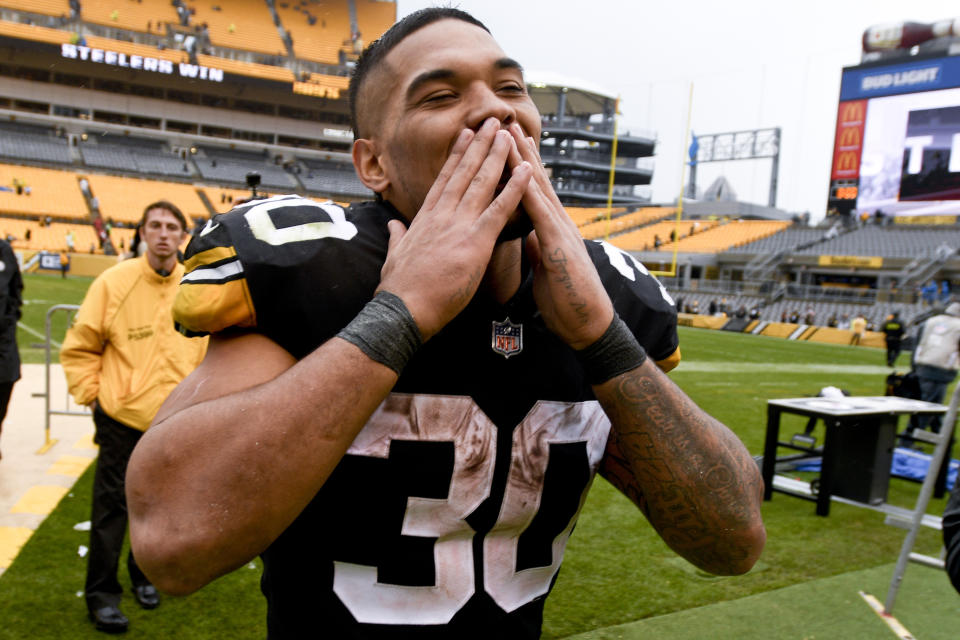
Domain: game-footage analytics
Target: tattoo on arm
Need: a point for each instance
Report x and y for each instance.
(579, 305)
(689, 474)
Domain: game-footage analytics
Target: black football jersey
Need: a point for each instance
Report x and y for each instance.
(449, 514)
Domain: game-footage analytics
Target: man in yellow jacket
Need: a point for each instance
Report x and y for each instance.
(122, 357)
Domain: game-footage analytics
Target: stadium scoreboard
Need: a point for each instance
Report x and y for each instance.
(896, 146)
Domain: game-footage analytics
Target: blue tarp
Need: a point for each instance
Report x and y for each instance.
(907, 463)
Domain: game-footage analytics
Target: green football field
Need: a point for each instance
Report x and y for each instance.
(616, 569)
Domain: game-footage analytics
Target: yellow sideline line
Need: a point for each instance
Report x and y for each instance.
(898, 629)
(41, 500)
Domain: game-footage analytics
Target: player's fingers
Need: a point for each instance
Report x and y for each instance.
(469, 163)
(397, 231)
(496, 215)
(488, 176)
(453, 161)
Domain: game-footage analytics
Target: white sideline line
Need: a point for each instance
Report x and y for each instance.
(36, 333)
(765, 367)
(894, 624)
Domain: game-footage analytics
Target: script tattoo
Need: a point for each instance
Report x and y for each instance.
(579, 305)
(687, 472)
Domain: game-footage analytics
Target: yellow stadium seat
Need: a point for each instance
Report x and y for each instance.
(322, 40)
(134, 16)
(52, 193)
(124, 199)
(47, 7)
(239, 24)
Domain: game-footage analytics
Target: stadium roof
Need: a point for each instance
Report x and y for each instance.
(583, 97)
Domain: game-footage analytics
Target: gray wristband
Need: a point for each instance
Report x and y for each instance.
(385, 331)
(616, 351)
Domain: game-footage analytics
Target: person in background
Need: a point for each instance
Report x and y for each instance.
(858, 325)
(122, 357)
(893, 334)
(11, 299)
(936, 360)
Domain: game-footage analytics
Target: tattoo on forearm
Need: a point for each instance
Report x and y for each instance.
(689, 474)
(579, 305)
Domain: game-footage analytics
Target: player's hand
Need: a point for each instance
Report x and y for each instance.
(436, 265)
(567, 288)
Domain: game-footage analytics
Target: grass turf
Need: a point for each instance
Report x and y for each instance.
(40, 292)
(616, 569)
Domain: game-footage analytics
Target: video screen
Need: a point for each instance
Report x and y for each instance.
(910, 160)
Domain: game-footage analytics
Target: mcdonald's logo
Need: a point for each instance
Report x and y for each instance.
(852, 112)
(847, 161)
(849, 137)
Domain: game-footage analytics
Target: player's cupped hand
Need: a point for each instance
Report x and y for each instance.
(436, 265)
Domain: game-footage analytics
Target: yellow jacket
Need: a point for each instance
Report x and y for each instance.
(122, 349)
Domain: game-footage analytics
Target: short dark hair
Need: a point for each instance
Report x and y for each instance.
(372, 57)
(169, 206)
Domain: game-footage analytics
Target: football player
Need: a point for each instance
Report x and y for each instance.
(404, 404)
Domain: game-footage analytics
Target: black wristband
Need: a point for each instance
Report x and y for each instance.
(616, 351)
(385, 331)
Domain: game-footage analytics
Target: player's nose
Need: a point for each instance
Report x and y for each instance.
(485, 104)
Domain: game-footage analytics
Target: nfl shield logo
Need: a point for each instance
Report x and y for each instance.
(507, 338)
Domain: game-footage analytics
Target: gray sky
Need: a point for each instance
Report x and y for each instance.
(752, 64)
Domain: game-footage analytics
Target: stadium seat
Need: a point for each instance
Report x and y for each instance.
(318, 30)
(134, 16)
(374, 17)
(52, 193)
(723, 237)
(239, 24)
(602, 228)
(252, 69)
(123, 199)
(47, 7)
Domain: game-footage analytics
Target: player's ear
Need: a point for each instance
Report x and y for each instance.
(367, 163)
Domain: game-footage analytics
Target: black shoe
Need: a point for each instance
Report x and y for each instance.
(109, 619)
(147, 596)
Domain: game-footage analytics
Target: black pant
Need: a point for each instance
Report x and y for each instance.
(108, 520)
(893, 350)
(6, 388)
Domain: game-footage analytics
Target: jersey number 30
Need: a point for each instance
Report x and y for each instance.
(556, 450)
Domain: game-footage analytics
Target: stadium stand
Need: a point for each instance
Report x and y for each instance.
(726, 236)
(133, 16)
(252, 69)
(46, 7)
(603, 227)
(318, 30)
(585, 215)
(644, 238)
(50, 237)
(231, 166)
(132, 154)
(887, 241)
(51, 193)
(332, 178)
(36, 143)
(786, 239)
(123, 199)
(374, 17)
(239, 24)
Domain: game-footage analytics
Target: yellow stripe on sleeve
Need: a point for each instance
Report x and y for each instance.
(670, 361)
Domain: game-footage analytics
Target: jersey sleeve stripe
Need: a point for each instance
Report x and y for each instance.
(225, 272)
(670, 361)
(209, 257)
(203, 308)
